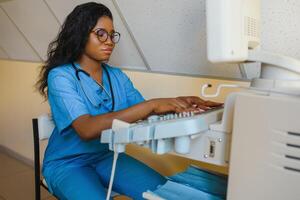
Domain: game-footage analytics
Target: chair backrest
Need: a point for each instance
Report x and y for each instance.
(45, 126)
(42, 129)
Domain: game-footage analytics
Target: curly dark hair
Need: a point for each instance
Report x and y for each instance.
(70, 42)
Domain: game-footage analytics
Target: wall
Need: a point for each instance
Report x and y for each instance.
(19, 103)
(156, 35)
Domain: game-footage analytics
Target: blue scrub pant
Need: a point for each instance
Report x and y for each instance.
(89, 182)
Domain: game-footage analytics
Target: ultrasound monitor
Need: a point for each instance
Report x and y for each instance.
(233, 27)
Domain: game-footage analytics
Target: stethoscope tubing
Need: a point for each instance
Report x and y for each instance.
(77, 71)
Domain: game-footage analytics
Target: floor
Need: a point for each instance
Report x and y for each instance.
(17, 181)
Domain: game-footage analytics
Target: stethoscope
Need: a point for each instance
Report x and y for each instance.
(77, 71)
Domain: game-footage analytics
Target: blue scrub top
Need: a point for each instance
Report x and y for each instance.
(69, 99)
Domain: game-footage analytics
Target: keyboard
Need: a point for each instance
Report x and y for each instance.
(162, 133)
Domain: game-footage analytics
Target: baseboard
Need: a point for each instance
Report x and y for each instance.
(16, 155)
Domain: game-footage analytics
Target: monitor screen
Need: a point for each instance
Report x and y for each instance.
(233, 27)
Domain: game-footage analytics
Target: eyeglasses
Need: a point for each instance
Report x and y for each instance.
(102, 35)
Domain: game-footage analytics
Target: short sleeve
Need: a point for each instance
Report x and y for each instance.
(132, 94)
(65, 102)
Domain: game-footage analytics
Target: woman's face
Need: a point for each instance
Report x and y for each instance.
(97, 48)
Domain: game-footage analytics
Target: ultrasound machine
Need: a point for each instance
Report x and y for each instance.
(257, 131)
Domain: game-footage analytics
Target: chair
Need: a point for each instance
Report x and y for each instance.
(42, 130)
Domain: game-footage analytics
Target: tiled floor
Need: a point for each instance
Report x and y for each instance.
(17, 181)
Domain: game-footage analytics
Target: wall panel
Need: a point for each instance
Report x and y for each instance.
(125, 54)
(35, 21)
(13, 42)
(172, 34)
(3, 54)
(281, 27)
(166, 36)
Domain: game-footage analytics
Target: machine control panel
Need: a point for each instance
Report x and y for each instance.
(162, 133)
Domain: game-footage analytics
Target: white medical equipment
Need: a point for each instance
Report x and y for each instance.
(265, 147)
(259, 125)
(171, 133)
(174, 133)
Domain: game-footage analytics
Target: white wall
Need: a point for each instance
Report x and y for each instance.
(163, 35)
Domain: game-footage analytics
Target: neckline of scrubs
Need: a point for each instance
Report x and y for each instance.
(96, 93)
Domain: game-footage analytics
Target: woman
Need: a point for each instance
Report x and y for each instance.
(85, 95)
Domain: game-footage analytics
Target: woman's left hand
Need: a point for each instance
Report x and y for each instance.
(199, 103)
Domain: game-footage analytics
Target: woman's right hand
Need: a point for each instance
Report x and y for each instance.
(166, 105)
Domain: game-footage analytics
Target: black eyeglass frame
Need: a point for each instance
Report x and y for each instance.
(112, 35)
